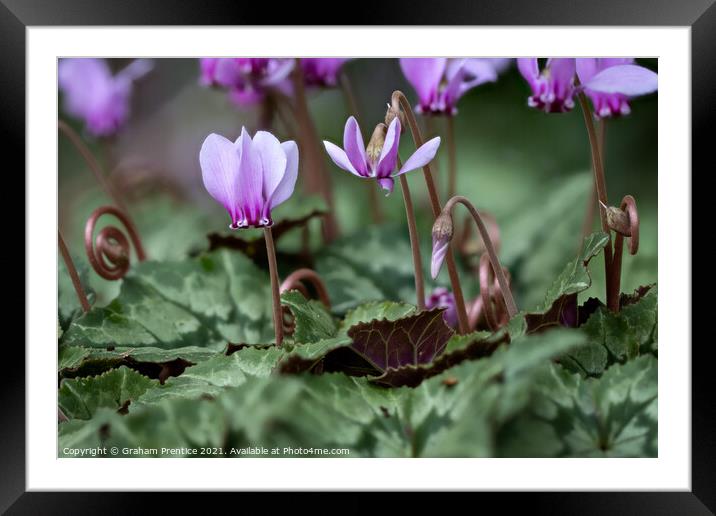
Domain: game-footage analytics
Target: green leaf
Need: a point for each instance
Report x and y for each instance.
(618, 337)
(70, 357)
(376, 311)
(208, 301)
(80, 398)
(313, 322)
(612, 416)
(560, 302)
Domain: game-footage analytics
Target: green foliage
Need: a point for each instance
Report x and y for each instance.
(569, 416)
(313, 322)
(207, 301)
(82, 397)
(472, 396)
(618, 337)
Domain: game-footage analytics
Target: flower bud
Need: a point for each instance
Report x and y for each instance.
(442, 235)
(390, 115)
(618, 220)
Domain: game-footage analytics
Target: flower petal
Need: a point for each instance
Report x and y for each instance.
(586, 69)
(219, 161)
(529, 68)
(421, 157)
(285, 188)
(389, 154)
(354, 146)
(440, 249)
(562, 72)
(272, 158)
(424, 75)
(630, 80)
(250, 180)
(386, 183)
(339, 157)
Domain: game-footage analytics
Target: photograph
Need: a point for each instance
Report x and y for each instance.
(359, 257)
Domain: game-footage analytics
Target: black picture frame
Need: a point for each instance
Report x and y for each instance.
(700, 15)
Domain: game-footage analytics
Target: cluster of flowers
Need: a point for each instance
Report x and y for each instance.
(251, 176)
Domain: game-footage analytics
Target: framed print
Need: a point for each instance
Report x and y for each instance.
(382, 257)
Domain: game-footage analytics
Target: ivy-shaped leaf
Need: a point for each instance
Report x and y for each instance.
(618, 337)
(313, 322)
(559, 306)
(80, 398)
(611, 416)
(412, 340)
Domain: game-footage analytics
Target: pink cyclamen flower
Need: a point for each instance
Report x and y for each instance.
(379, 164)
(443, 298)
(322, 71)
(608, 82)
(94, 95)
(440, 82)
(248, 80)
(249, 177)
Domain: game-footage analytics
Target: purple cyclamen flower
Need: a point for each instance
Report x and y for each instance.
(443, 298)
(440, 82)
(379, 163)
(608, 82)
(248, 80)
(553, 87)
(249, 177)
(94, 95)
(322, 71)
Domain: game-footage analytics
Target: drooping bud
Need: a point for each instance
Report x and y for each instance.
(618, 220)
(392, 112)
(375, 145)
(442, 235)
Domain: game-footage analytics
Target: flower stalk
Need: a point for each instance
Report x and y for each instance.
(74, 276)
(275, 294)
(91, 162)
(601, 187)
(401, 107)
(414, 242)
(452, 156)
(625, 223)
(317, 179)
(442, 235)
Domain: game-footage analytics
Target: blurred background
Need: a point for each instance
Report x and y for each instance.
(530, 170)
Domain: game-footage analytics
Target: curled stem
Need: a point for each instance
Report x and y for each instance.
(295, 281)
(275, 294)
(601, 187)
(91, 162)
(317, 178)
(108, 252)
(74, 276)
(414, 242)
(626, 225)
(398, 101)
(494, 260)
